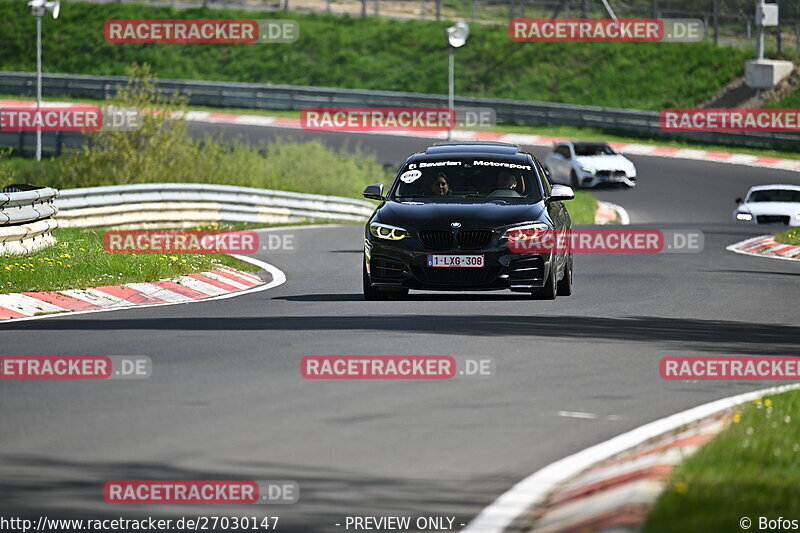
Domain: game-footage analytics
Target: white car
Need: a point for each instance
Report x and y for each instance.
(770, 204)
(587, 164)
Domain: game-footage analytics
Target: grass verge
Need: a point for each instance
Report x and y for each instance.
(79, 261)
(582, 208)
(790, 236)
(751, 469)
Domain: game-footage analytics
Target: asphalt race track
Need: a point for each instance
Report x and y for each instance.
(226, 399)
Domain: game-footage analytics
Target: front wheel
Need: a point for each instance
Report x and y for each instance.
(549, 291)
(370, 292)
(564, 287)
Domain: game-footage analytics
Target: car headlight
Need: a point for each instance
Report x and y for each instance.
(744, 216)
(524, 230)
(590, 170)
(385, 231)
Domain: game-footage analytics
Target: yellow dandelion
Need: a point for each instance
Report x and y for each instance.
(681, 487)
(768, 402)
(737, 417)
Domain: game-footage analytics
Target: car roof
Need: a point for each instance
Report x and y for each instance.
(465, 147)
(774, 186)
(588, 143)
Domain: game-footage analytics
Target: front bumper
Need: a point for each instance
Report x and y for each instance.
(404, 266)
(606, 178)
(765, 219)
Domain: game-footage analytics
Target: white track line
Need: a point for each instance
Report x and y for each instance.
(532, 490)
(278, 278)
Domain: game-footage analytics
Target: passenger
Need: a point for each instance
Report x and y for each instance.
(440, 186)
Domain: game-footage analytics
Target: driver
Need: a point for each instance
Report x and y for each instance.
(506, 180)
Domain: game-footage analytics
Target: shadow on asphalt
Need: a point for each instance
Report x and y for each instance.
(718, 336)
(33, 486)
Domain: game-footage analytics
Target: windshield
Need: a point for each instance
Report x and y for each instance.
(444, 180)
(774, 195)
(593, 149)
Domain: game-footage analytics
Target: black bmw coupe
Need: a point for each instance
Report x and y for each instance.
(447, 218)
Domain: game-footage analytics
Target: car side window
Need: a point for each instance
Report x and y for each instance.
(563, 151)
(545, 181)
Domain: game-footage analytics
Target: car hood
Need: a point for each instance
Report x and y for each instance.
(495, 214)
(771, 208)
(605, 162)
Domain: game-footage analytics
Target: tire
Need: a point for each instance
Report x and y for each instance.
(397, 294)
(549, 291)
(370, 292)
(573, 180)
(564, 287)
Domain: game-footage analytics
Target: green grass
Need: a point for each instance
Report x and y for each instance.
(307, 167)
(582, 208)
(790, 236)
(751, 469)
(374, 53)
(79, 261)
(790, 102)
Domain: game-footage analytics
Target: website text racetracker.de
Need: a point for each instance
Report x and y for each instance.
(531, 240)
(184, 523)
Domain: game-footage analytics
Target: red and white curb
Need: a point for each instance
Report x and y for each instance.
(546, 494)
(222, 282)
(608, 213)
(765, 246)
(616, 494)
(458, 135)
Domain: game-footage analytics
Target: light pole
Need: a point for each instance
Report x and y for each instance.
(38, 10)
(457, 36)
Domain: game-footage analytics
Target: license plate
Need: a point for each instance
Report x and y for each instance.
(455, 261)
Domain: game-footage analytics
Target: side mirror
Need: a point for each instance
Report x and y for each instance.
(374, 191)
(739, 201)
(560, 193)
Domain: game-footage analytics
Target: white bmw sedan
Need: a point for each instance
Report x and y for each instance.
(770, 204)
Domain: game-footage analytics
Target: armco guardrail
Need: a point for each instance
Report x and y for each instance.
(26, 222)
(289, 97)
(189, 204)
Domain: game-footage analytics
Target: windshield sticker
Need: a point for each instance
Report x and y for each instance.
(411, 176)
(441, 164)
(499, 164)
